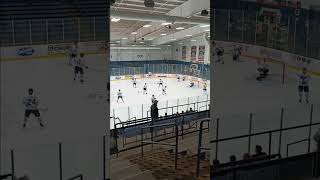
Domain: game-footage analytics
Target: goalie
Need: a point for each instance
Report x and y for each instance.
(263, 70)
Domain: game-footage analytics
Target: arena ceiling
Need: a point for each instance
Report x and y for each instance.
(139, 31)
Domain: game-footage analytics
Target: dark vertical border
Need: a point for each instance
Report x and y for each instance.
(212, 30)
(107, 146)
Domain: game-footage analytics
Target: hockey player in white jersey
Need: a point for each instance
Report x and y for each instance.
(79, 64)
(120, 96)
(134, 82)
(205, 87)
(31, 103)
(164, 90)
(160, 83)
(73, 51)
(236, 53)
(145, 89)
(304, 80)
(153, 98)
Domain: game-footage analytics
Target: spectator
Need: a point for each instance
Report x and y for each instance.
(190, 110)
(182, 112)
(259, 152)
(215, 162)
(154, 110)
(317, 139)
(233, 158)
(165, 114)
(246, 156)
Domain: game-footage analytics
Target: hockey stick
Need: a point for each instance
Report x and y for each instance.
(43, 109)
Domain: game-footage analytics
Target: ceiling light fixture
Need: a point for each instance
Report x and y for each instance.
(193, 40)
(188, 35)
(173, 39)
(207, 30)
(115, 20)
(134, 33)
(124, 38)
(147, 25)
(166, 23)
(179, 28)
(163, 34)
(203, 26)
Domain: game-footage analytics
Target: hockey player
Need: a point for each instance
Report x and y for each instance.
(205, 87)
(164, 90)
(219, 53)
(236, 53)
(145, 88)
(73, 51)
(304, 80)
(183, 78)
(120, 96)
(178, 78)
(31, 103)
(79, 64)
(153, 98)
(134, 82)
(191, 84)
(263, 70)
(160, 83)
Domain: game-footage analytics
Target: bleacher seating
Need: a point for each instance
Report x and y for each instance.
(270, 168)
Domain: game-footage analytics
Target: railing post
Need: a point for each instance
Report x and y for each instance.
(250, 130)
(270, 139)
(104, 158)
(280, 133)
(217, 138)
(176, 147)
(142, 142)
(60, 160)
(311, 117)
(12, 164)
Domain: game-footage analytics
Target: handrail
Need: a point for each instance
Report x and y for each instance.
(202, 107)
(263, 132)
(296, 142)
(200, 146)
(164, 144)
(76, 177)
(5, 176)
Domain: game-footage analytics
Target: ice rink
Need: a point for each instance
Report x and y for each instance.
(72, 118)
(136, 104)
(237, 94)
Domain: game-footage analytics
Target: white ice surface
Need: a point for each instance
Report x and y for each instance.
(73, 119)
(136, 103)
(237, 93)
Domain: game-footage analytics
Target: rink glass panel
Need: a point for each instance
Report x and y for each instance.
(293, 34)
(138, 111)
(46, 77)
(52, 30)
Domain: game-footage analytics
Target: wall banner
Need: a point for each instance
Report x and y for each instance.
(193, 53)
(202, 50)
(184, 52)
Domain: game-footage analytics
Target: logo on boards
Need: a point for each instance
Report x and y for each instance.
(25, 51)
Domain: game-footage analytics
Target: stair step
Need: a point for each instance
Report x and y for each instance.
(143, 175)
(125, 172)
